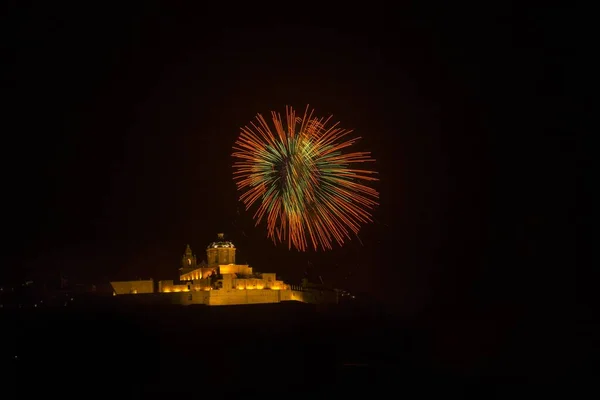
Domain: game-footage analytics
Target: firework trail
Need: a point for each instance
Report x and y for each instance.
(302, 177)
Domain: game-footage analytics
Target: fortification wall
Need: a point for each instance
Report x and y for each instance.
(133, 287)
(234, 296)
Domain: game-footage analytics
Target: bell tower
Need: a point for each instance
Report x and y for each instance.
(189, 259)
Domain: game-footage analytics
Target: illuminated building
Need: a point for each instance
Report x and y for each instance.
(221, 281)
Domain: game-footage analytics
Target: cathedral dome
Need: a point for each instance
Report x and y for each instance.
(221, 243)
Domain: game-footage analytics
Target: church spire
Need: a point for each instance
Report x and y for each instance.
(189, 259)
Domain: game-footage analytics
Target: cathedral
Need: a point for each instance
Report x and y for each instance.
(220, 281)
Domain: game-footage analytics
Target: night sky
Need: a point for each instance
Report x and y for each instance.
(119, 124)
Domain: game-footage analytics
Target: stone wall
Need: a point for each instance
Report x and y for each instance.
(228, 297)
(133, 287)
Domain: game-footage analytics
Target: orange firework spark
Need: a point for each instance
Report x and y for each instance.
(302, 178)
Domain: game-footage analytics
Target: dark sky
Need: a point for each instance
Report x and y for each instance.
(119, 123)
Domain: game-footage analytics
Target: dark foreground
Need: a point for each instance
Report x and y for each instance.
(264, 350)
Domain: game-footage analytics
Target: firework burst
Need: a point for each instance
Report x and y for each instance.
(303, 178)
